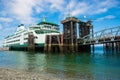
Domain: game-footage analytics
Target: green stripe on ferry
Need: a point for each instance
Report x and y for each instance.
(18, 45)
(50, 23)
(40, 44)
(42, 32)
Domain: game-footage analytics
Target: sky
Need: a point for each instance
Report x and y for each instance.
(102, 13)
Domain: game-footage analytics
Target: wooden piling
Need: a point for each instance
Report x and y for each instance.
(117, 44)
(70, 34)
(31, 45)
(54, 43)
(93, 48)
(112, 46)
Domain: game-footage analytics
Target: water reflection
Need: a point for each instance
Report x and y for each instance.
(36, 62)
(68, 65)
(31, 61)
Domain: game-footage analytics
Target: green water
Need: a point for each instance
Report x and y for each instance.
(74, 66)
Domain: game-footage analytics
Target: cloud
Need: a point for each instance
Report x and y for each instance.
(56, 4)
(0, 26)
(76, 7)
(4, 19)
(102, 6)
(1, 43)
(22, 11)
(80, 8)
(9, 29)
(91, 7)
(25, 11)
(6, 31)
(108, 17)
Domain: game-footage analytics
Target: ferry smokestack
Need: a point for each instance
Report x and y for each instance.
(20, 25)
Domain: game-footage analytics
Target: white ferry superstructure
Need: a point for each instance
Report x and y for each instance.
(20, 38)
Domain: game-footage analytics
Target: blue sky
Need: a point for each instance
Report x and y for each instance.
(103, 13)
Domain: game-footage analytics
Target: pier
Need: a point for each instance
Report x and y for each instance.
(79, 36)
(4, 48)
(110, 38)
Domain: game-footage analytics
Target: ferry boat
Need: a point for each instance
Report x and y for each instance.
(22, 37)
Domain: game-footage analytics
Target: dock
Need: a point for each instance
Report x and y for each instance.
(79, 36)
(4, 48)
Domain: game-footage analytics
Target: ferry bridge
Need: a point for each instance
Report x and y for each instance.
(109, 37)
(102, 36)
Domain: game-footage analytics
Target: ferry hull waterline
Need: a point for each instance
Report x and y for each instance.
(31, 39)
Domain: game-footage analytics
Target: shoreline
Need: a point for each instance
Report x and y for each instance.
(10, 74)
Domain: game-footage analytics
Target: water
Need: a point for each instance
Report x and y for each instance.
(74, 66)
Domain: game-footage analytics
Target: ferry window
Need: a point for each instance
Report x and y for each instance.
(25, 38)
(26, 34)
(39, 31)
(25, 42)
(36, 37)
(57, 28)
(45, 27)
(30, 32)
